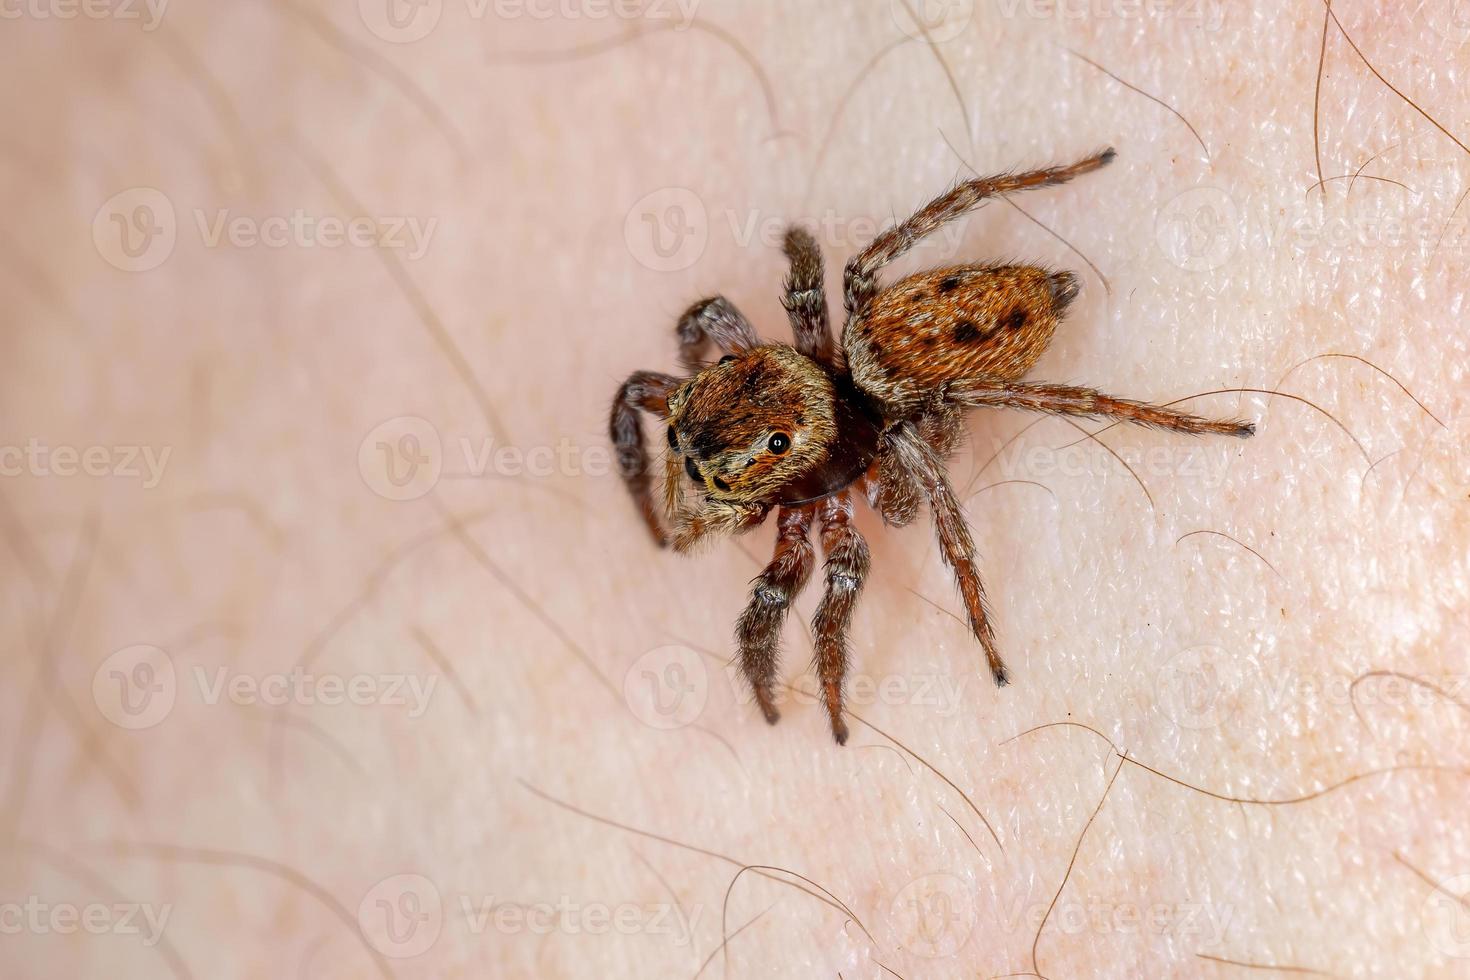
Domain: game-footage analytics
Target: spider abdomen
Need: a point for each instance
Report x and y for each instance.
(954, 324)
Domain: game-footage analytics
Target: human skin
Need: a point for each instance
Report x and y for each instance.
(512, 708)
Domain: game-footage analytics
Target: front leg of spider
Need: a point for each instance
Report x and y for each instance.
(758, 632)
(846, 569)
(644, 391)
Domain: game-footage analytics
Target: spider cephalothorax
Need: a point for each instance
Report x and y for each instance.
(799, 427)
(766, 425)
(753, 422)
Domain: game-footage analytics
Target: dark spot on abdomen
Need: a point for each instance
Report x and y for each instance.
(1014, 320)
(966, 332)
(949, 284)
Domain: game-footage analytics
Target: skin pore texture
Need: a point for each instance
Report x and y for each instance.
(334, 648)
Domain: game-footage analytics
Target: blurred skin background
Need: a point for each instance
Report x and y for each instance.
(333, 647)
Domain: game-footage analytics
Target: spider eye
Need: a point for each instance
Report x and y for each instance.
(779, 443)
(721, 485)
(692, 470)
(728, 357)
(673, 440)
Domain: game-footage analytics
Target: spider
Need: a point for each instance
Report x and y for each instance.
(800, 428)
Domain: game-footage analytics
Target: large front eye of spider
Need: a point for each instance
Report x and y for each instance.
(692, 470)
(779, 443)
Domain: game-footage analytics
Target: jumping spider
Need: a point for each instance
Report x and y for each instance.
(800, 427)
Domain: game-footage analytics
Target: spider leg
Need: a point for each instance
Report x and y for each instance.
(805, 298)
(646, 391)
(925, 468)
(860, 281)
(893, 493)
(1072, 400)
(714, 319)
(759, 630)
(693, 526)
(846, 568)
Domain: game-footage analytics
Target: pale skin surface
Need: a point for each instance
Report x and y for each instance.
(262, 831)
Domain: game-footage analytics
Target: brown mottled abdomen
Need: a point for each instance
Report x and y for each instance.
(963, 322)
